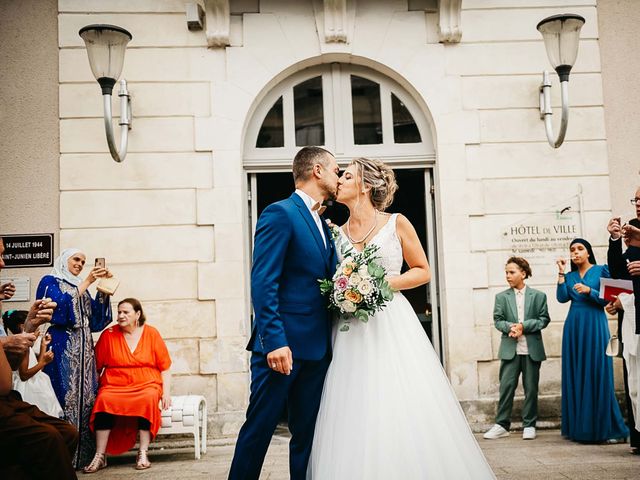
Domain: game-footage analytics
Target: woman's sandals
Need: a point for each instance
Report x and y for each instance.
(142, 462)
(98, 463)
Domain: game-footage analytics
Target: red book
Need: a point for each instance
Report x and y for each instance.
(611, 288)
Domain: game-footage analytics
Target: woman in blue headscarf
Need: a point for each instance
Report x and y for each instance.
(590, 411)
(73, 370)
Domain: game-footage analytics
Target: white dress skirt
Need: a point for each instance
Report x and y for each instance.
(38, 390)
(388, 410)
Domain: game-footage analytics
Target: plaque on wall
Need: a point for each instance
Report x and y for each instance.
(544, 236)
(23, 288)
(28, 250)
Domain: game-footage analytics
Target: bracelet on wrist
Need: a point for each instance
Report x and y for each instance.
(561, 274)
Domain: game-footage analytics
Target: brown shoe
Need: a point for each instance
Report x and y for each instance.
(142, 461)
(98, 463)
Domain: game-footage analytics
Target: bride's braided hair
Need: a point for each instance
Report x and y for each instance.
(380, 178)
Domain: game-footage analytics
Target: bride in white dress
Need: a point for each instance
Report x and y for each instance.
(388, 410)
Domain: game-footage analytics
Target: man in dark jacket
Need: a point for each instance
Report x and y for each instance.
(625, 265)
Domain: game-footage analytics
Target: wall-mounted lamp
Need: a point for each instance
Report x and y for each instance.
(106, 45)
(561, 34)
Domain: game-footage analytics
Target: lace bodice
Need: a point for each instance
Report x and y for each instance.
(390, 252)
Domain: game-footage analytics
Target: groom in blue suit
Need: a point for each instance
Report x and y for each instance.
(291, 336)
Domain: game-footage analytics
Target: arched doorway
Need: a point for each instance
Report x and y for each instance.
(352, 111)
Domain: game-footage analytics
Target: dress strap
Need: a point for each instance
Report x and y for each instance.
(393, 220)
(389, 229)
(393, 217)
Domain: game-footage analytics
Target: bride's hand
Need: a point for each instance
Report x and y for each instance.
(392, 280)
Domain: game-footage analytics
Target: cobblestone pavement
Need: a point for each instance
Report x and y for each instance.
(549, 457)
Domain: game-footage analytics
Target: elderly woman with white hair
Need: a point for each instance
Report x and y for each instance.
(73, 370)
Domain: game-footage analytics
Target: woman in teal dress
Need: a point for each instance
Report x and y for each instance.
(590, 411)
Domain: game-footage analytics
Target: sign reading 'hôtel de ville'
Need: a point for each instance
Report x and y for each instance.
(543, 236)
(530, 238)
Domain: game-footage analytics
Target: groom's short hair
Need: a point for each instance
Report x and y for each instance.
(305, 159)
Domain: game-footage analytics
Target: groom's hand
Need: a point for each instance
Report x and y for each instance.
(281, 360)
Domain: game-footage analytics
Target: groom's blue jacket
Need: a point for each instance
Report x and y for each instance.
(289, 257)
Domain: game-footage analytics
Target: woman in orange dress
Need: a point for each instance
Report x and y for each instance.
(134, 364)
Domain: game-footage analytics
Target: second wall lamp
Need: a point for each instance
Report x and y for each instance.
(561, 34)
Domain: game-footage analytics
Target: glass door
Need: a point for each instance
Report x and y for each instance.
(414, 199)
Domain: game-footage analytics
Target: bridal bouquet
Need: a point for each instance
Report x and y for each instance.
(358, 288)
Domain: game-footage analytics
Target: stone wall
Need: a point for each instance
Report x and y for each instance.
(29, 143)
(620, 69)
(172, 220)
(168, 219)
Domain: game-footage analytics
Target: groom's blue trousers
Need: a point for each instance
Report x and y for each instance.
(300, 392)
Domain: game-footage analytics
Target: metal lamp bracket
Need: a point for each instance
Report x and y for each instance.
(546, 111)
(125, 122)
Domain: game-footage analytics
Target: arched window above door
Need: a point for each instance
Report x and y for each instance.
(272, 130)
(349, 110)
(308, 112)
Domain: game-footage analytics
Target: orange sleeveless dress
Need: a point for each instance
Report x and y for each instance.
(130, 383)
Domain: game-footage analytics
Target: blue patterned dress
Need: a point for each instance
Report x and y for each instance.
(590, 411)
(73, 370)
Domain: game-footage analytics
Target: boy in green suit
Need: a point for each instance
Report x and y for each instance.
(520, 313)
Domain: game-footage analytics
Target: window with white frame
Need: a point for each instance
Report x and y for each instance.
(350, 110)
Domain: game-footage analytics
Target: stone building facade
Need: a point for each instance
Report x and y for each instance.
(175, 219)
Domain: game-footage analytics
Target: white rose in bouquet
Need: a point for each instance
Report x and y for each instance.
(365, 287)
(354, 279)
(348, 306)
(363, 271)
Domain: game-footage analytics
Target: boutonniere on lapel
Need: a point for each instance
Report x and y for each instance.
(333, 228)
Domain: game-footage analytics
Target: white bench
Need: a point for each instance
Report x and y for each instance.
(188, 414)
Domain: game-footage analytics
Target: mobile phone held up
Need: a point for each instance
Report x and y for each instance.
(100, 262)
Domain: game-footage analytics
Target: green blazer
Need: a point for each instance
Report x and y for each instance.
(536, 317)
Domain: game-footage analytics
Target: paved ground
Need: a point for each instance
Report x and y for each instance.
(549, 457)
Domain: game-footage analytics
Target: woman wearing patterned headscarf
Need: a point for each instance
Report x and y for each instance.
(590, 411)
(73, 370)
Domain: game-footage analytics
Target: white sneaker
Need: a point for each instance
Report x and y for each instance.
(529, 433)
(496, 431)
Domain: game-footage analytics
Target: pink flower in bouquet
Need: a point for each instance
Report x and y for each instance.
(341, 283)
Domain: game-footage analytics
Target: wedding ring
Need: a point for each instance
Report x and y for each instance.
(273, 365)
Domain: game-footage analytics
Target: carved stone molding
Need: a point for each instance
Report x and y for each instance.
(335, 21)
(218, 23)
(449, 25)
